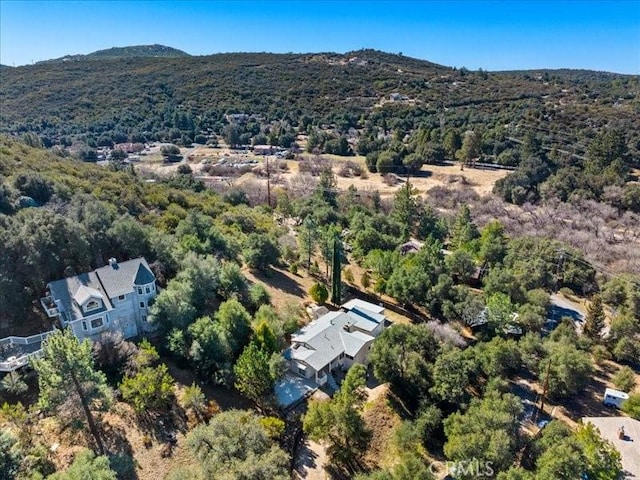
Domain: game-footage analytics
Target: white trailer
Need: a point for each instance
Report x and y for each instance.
(614, 398)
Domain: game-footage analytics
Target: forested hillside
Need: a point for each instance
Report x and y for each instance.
(571, 134)
(60, 216)
(148, 97)
(498, 297)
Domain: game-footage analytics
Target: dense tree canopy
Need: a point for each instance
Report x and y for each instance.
(339, 422)
(403, 356)
(235, 445)
(486, 432)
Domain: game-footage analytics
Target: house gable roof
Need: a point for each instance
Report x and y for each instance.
(356, 303)
(335, 333)
(119, 279)
(80, 287)
(84, 293)
(103, 283)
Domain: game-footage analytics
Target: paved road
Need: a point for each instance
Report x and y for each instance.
(563, 307)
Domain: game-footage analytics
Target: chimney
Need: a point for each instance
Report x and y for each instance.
(114, 263)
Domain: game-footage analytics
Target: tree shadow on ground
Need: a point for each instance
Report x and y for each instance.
(305, 458)
(226, 397)
(119, 451)
(421, 174)
(588, 402)
(278, 280)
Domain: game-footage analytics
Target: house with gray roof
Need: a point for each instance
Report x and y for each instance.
(114, 297)
(624, 434)
(335, 340)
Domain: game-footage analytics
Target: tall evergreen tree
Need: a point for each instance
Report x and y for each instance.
(470, 150)
(463, 230)
(67, 378)
(452, 143)
(594, 322)
(405, 209)
(253, 378)
(336, 274)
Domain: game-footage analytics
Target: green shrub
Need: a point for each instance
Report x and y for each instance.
(625, 379)
(319, 293)
(149, 389)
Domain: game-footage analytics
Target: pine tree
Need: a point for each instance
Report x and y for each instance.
(13, 383)
(67, 377)
(336, 275)
(471, 148)
(405, 209)
(253, 378)
(594, 323)
(463, 230)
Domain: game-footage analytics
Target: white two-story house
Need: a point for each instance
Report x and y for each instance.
(336, 340)
(115, 297)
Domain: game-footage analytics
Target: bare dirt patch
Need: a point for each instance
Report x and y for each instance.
(382, 420)
(311, 461)
(477, 179)
(283, 286)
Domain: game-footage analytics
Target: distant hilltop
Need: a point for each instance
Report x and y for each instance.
(136, 51)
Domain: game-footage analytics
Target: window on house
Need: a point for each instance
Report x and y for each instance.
(92, 305)
(141, 304)
(84, 326)
(144, 318)
(147, 290)
(139, 290)
(121, 297)
(349, 357)
(97, 323)
(302, 371)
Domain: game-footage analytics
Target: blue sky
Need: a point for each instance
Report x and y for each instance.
(493, 35)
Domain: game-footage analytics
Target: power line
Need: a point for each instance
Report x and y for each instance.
(607, 272)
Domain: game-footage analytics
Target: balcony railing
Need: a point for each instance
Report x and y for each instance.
(18, 350)
(50, 306)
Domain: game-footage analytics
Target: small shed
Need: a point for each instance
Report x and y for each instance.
(614, 398)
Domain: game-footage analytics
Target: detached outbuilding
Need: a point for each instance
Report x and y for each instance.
(614, 398)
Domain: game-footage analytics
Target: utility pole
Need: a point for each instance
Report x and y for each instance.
(559, 268)
(545, 386)
(308, 222)
(268, 181)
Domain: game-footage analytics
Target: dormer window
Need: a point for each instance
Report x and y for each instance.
(92, 305)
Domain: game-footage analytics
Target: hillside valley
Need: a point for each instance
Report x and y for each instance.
(348, 266)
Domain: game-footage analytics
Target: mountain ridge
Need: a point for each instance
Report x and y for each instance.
(153, 97)
(164, 51)
(131, 51)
